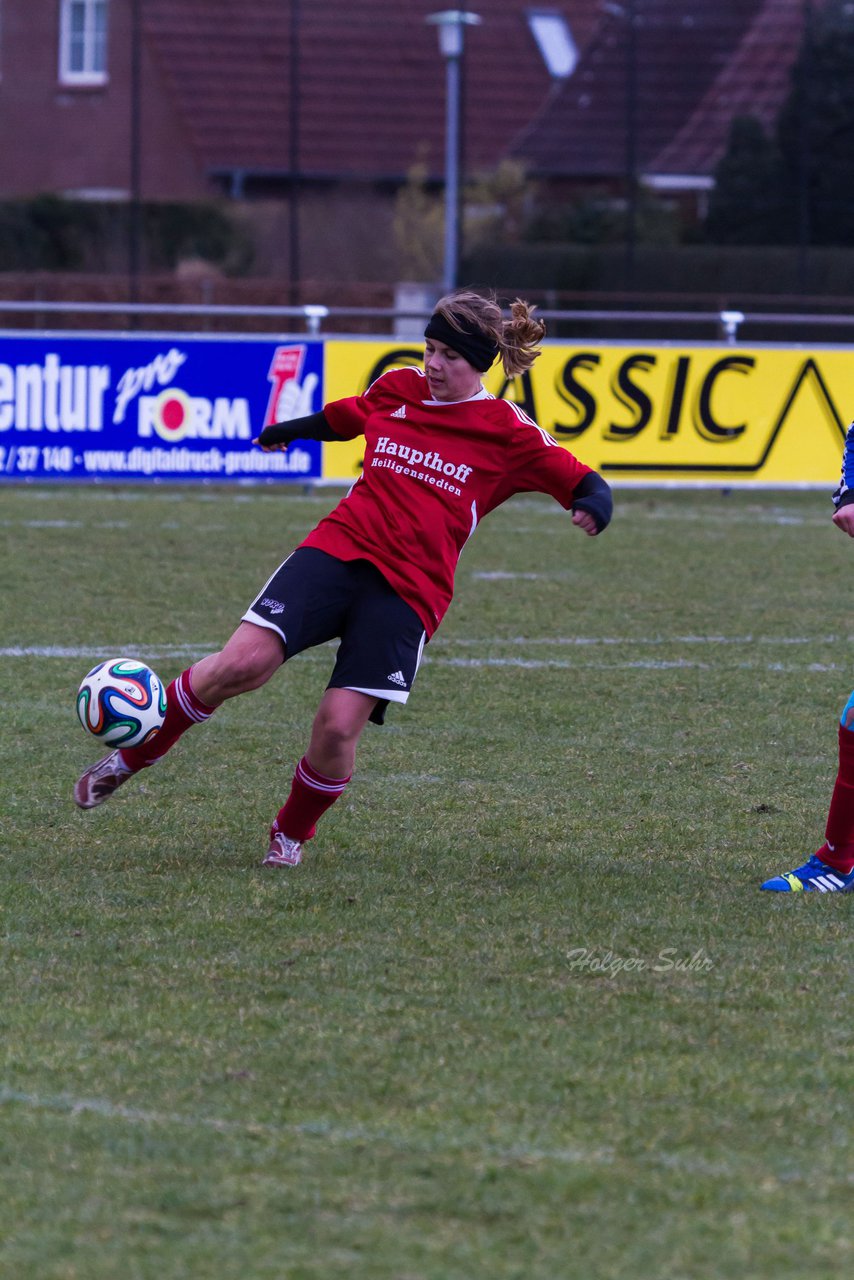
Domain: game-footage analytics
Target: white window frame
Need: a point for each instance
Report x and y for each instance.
(83, 53)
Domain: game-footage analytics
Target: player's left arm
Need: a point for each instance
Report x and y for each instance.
(592, 504)
(539, 464)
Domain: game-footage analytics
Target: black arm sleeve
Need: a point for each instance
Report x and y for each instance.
(593, 495)
(312, 427)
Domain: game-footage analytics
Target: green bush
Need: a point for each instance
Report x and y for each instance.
(175, 232)
(723, 273)
(798, 180)
(48, 233)
(600, 219)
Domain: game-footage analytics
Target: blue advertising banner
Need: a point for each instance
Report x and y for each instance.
(160, 407)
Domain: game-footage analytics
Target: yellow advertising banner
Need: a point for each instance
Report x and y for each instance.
(655, 413)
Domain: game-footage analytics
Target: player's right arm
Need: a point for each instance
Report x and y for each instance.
(278, 435)
(348, 415)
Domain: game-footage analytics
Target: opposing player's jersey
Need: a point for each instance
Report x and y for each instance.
(432, 471)
(845, 491)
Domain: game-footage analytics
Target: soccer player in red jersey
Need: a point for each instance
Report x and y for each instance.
(831, 868)
(378, 571)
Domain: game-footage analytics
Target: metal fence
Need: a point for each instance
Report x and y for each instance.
(727, 326)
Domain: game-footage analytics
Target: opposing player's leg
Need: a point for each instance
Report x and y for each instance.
(247, 661)
(815, 876)
(831, 868)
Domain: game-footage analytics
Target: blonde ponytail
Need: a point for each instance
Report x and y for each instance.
(522, 335)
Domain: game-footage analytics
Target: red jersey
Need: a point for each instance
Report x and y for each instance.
(432, 471)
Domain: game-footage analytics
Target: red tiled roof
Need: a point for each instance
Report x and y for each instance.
(370, 84)
(680, 52)
(755, 81)
(370, 81)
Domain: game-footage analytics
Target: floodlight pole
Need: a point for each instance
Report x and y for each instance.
(805, 126)
(451, 24)
(135, 156)
(627, 12)
(294, 162)
(631, 17)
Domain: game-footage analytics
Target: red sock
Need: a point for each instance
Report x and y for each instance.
(312, 793)
(183, 709)
(839, 833)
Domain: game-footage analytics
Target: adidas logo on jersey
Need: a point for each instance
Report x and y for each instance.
(397, 677)
(399, 413)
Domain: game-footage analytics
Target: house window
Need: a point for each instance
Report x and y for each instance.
(83, 41)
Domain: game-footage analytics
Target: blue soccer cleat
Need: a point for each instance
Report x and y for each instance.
(814, 876)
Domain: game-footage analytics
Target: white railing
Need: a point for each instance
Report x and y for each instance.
(725, 325)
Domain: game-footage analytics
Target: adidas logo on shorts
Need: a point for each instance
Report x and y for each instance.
(397, 677)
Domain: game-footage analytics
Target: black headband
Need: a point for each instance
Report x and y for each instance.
(468, 341)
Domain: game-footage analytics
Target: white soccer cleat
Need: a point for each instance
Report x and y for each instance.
(100, 780)
(283, 851)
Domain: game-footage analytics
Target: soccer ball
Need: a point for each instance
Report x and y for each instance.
(121, 702)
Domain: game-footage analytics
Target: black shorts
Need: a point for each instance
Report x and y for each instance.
(313, 598)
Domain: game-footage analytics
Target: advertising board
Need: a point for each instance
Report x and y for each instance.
(176, 407)
(163, 407)
(658, 413)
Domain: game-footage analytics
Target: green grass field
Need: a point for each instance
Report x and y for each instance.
(522, 1012)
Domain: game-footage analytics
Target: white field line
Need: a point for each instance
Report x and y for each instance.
(440, 1144)
(97, 654)
(758, 516)
(189, 652)
(639, 664)
(633, 641)
(179, 496)
(218, 527)
(501, 575)
(636, 507)
(443, 642)
(74, 524)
